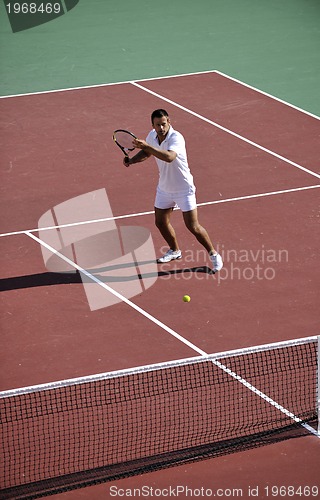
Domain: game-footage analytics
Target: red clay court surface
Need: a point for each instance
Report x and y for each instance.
(241, 144)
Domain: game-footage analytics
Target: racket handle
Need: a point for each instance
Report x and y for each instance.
(126, 161)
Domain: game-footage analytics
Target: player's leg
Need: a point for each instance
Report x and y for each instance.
(192, 223)
(162, 221)
(164, 204)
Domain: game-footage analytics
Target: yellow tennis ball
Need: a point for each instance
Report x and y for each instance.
(186, 298)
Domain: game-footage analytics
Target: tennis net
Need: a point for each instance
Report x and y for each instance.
(99, 428)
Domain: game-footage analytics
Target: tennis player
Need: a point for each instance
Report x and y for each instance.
(175, 187)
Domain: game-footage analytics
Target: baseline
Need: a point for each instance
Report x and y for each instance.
(68, 89)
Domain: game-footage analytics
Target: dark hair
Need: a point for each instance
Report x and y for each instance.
(158, 113)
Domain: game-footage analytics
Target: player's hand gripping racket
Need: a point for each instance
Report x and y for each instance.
(123, 139)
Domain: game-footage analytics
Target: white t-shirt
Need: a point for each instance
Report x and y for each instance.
(174, 177)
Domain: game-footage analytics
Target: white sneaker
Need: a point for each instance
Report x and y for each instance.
(170, 255)
(217, 262)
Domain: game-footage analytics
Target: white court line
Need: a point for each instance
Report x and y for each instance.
(115, 293)
(266, 398)
(99, 85)
(262, 195)
(151, 212)
(163, 78)
(123, 372)
(177, 336)
(228, 131)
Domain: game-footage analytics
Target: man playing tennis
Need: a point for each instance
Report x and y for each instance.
(175, 187)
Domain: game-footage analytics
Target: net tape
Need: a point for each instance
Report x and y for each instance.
(87, 430)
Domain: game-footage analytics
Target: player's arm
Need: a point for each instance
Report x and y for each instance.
(164, 155)
(138, 158)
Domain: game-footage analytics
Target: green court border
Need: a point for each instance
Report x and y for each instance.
(270, 45)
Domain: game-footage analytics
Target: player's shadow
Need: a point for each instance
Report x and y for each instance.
(66, 278)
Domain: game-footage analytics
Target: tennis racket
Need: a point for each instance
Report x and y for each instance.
(123, 139)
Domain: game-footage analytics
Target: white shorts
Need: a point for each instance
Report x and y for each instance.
(184, 201)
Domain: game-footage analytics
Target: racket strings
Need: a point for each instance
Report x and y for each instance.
(125, 140)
